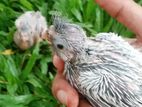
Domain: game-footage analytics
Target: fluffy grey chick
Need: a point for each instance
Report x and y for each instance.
(106, 70)
(31, 28)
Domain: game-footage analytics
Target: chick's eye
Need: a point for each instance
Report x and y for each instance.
(60, 46)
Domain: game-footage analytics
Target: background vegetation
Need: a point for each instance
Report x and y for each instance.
(26, 76)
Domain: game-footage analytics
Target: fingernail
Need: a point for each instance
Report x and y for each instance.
(62, 96)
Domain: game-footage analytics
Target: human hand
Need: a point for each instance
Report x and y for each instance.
(62, 90)
(128, 13)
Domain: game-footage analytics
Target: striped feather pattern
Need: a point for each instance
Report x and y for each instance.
(111, 73)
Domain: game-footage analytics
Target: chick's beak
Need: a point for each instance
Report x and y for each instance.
(51, 33)
(48, 38)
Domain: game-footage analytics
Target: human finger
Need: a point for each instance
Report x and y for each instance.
(58, 63)
(84, 103)
(125, 11)
(64, 92)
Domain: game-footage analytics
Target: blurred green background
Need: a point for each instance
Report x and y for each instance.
(26, 76)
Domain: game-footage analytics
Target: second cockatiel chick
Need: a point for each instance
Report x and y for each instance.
(106, 70)
(31, 28)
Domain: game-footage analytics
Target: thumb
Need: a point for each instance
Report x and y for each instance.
(64, 92)
(58, 63)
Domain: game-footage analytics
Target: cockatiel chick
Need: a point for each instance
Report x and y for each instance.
(31, 28)
(106, 70)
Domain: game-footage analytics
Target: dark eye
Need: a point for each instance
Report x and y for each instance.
(60, 46)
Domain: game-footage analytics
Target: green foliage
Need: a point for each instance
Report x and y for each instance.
(90, 16)
(26, 76)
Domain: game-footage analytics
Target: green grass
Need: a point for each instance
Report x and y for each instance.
(26, 76)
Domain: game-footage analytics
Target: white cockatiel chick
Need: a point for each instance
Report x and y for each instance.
(31, 28)
(106, 70)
